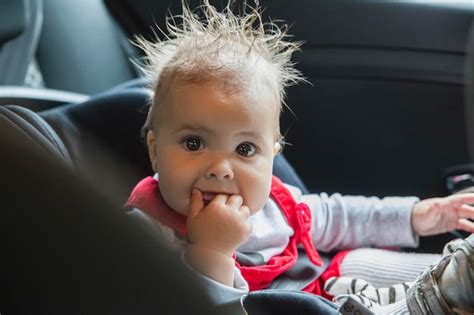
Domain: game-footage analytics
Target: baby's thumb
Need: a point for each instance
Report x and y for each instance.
(196, 203)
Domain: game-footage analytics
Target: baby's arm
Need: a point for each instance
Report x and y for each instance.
(355, 221)
(215, 231)
(439, 215)
(211, 263)
(218, 292)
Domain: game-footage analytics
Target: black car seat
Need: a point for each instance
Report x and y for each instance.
(100, 139)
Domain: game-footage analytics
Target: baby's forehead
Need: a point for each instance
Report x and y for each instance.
(190, 102)
(251, 98)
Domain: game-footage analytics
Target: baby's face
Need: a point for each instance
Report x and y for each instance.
(216, 142)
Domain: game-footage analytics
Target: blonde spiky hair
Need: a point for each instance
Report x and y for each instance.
(241, 51)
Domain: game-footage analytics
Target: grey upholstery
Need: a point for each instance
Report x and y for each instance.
(83, 53)
(20, 28)
(13, 19)
(35, 132)
(43, 42)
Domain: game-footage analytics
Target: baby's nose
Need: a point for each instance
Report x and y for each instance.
(220, 169)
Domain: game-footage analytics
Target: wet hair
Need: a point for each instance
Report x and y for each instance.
(240, 52)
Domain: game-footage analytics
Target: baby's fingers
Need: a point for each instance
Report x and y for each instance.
(460, 199)
(465, 225)
(196, 203)
(245, 211)
(466, 211)
(235, 201)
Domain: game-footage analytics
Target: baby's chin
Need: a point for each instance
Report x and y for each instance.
(183, 211)
(180, 207)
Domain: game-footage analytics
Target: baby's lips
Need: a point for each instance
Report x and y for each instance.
(207, 197)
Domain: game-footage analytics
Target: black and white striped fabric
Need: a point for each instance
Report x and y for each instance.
(358, 296)
(367, 294)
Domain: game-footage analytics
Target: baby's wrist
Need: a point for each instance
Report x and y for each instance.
(210, 247)
(211, 263)
(414, 218)
(198, 249)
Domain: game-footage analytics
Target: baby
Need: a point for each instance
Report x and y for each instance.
(212, 133)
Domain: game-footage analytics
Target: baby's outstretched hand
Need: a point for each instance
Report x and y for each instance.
(440, 215)
(221, 225)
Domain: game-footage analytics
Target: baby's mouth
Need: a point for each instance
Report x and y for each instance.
(207, 197)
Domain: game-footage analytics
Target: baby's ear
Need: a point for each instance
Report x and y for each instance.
(151, 143)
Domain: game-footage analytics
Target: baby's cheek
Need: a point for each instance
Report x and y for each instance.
(174, 195)
(185, 207)
(256, 201)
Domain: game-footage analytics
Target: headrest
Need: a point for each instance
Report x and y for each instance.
(34, 131)
(14, 19)
(102, 136)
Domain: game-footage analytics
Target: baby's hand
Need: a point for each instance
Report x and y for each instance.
(221, 225)
(440, 215)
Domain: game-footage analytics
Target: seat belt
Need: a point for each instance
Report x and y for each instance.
(17, 55)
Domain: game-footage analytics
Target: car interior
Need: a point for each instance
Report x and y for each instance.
(387, 110)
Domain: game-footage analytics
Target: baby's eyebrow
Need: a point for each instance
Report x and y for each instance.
(201, 128)
(192, 127)
(251, 134)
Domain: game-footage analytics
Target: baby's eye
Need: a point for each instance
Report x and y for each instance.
(193, 143)
(246, 149)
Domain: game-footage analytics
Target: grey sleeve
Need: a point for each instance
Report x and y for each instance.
(340, 222)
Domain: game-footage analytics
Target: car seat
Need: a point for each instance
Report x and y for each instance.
(100, 140)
